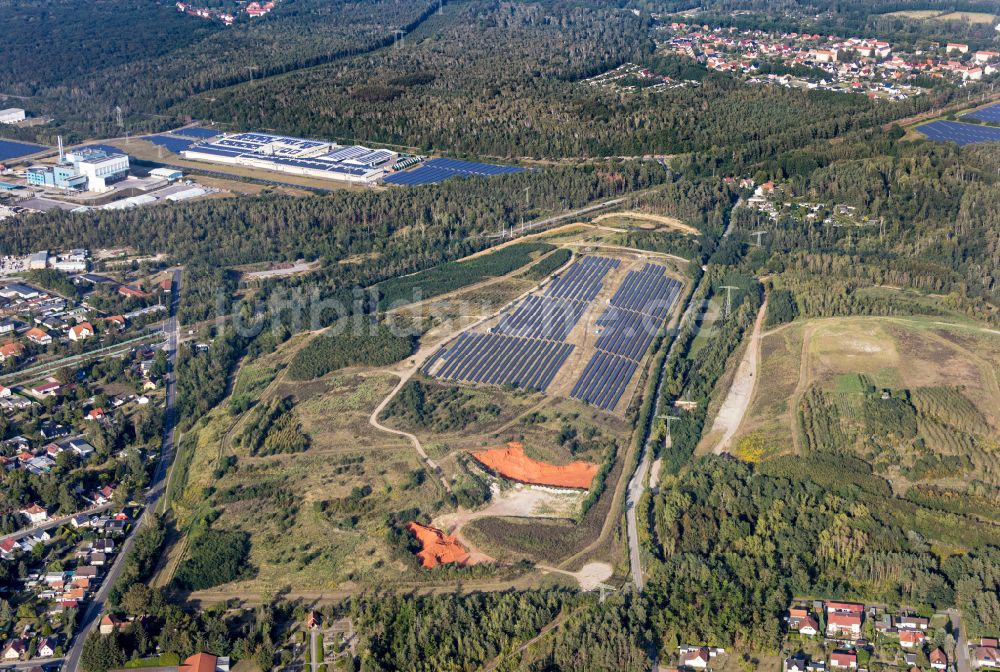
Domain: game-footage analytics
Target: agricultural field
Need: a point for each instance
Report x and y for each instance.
(916, 398)
(938, 15)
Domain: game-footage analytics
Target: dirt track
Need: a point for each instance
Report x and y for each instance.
(730, 415)
(671, 222)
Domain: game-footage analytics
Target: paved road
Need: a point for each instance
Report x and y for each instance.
(96, 606)
(56, 522)
(637, 484)
(961, 661)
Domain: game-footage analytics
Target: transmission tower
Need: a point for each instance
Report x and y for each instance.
(729, 298)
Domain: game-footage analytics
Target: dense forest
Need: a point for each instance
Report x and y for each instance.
(144, 56)
(465, 75)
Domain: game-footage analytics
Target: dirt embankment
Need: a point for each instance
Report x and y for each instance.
(437, 548)
(512, 463)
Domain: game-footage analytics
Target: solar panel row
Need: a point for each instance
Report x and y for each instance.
(959, 133)
(495, 359)
(437, 170)
(12, 150)
(647, 291)
(604, 380)
(581, 281)
(626, 333)
(991, 113)
(196, 132)
(175, 145)
(542, 317)
(638, 310)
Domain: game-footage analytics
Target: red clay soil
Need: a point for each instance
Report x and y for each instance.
(438, 548)
(512, 463)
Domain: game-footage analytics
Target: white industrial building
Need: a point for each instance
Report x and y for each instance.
(11, 115)
(296, 156)
(101, 169)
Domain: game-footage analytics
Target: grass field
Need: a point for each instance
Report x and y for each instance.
(937, 15)
(917, 398)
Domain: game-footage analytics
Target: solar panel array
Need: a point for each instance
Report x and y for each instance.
(437, 170)
(12, 150)
(496, 359)
(991, 113)
(582, 281)
(628, 326)
(959, 133)
(175, 145)
(527, 347)
(196, 132)
(542, 317)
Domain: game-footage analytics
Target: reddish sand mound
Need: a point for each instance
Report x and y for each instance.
(512, 463)
(438, 548)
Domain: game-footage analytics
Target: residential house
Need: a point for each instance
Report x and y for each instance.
(81, 447)
(46, 647)
(79, 332)
(102, 496)
(98, 559)
(35, 513)
(5, 392)
(103, 545)
(117, 321)
(939, 660)
(52, 430)
(986, 656)
(11, 350)
(15, 649)
(912, 622)
(8, 548)
(39, 336)
(87, 572)
(695, 658)
(844, 660)
(109, 624)
(94, 414)
(843, 625)
(796, 663)
(205, 662)
(126, 290)
(909, 639)
(80, 520)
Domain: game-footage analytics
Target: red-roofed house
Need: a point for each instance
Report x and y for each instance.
(911, 638)
(11, 350)
(125, 290)
(939, 660)
(79, 332)
(986, 656)
(845, 607)
(116, 320)
(15, 649)
(38, 336)
(844, 660)
(843, 625)
(205, 662)
(94, 414)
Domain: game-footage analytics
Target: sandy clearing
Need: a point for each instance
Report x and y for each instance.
(672, 222)
(590, 576)
(730, 415)
(511, 462)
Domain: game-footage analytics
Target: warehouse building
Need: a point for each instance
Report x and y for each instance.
(11, 115)
(296, 156)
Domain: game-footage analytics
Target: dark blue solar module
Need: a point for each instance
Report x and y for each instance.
(604, 380)
(991, 113)
(495, 359)
(627, 328)
(12, 150)
(542, 317)
(195, 132)
(437, 170)
(175, 145)
(959, 133)
(582, 280)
